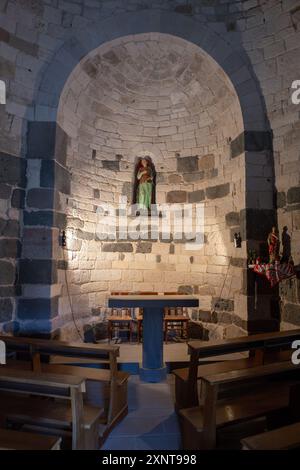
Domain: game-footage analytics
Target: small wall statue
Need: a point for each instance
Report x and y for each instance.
(274, 245)
(144, 184)
(286, 245)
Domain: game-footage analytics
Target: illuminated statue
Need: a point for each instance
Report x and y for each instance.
(144, 186)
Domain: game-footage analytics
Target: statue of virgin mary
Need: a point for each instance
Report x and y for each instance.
(144, 184)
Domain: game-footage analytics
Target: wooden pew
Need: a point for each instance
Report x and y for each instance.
(23, 400)
(262, 348)
(285, 438)
(113, 383)
(200, 424)
(16, 440)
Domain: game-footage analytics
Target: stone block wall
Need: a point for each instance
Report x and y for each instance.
(143, 96)
(246, 170)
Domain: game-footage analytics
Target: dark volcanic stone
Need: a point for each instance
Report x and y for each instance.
(196, 196)
(9, 248)
(291, 313)
(5, 191)
(118, 246)
(176, 197)
(7, 273)
(232, 219)
(219, 191)
(6, 310)
(293, 195)
(41, 139)
(12, 170)
(27, 47)
(238, 262)
(37, 271)
(222, 304)
(9, 228)
(251, 141)
(256, 223)
(18, 199)
(45, 218)
(187, 164)
(144, 247)
(191, 177)
(281, 200)
(37, 309)
(111, 165)
(42, 198)
(185, 9)
(55, 176)
(187, 290)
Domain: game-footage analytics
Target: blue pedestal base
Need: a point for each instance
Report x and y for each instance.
(153, 368)
(153, 375)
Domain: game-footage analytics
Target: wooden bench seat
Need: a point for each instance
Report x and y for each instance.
(249, 406)
(75, 358)
(41, 411)
(285, 438)
(90, 374)
(200, 424)
(16, 440)
(227, 365)
(49, 400)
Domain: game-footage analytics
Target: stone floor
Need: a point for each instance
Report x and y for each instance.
(151, 423)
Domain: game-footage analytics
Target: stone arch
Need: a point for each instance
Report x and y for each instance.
(234, 63)
(254, 135)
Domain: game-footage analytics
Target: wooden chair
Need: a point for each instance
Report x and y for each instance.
(200, 424)
(284, 438)
(176, 319)
(262, 348)
(17, 440)
(120, 320)
(97, 364)
(23, 401)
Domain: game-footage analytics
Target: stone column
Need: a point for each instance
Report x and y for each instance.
(257, 298)
(44, 217)
(12, 195)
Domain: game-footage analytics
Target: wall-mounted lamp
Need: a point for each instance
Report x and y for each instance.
(63, 239)
(237, 240)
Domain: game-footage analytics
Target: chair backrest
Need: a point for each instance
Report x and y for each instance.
(176, 311)
(147, 293)
(173, 293)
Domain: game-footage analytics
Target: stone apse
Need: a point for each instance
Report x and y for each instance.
(146, 83)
